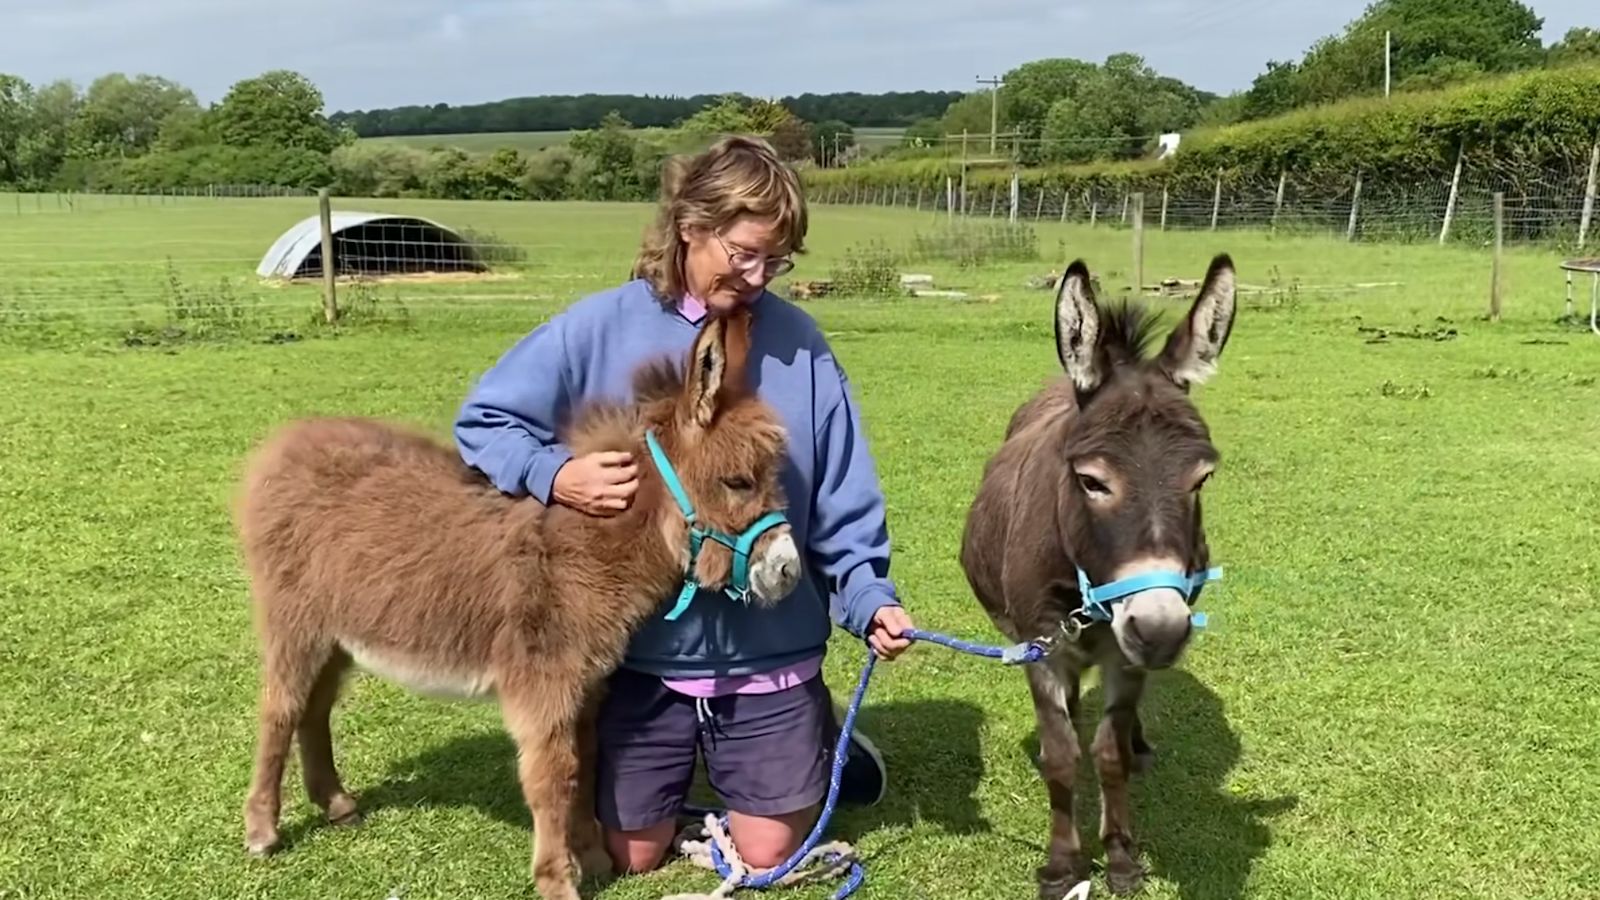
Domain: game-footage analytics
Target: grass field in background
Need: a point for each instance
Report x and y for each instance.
(1394, 698)
(529, 142)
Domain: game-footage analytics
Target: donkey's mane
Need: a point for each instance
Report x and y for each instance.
(1127, 330)
(615, 425)
(660, 379)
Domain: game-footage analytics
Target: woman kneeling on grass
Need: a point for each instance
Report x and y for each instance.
(742, 685)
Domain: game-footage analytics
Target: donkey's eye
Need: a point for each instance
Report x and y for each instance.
(1093, 486)
(738, 483)
(1201, 482)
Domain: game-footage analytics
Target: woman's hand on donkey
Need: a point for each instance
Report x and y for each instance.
(600, 484)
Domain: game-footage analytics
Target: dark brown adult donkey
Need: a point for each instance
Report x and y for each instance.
(370, 545)
(1086, 530)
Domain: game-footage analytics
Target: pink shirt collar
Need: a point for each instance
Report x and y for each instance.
(691, 308)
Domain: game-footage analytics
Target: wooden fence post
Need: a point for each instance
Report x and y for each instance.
(1277, 203)
(1496, 267)
(1588, 195)
(1355, 205)
(1216, 202)
(1455, 187)
(1163, 207)
(1138, 243)
(330, 306)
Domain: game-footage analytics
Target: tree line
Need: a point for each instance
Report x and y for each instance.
(587, 111)
(145, 131)
(615, 161)
(1527, 130)
(1063, 110)
(1430, 44)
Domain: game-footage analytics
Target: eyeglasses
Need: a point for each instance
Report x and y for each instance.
(745, 260)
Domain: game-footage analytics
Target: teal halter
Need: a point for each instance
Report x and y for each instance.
(1097, 601)
(739, 587)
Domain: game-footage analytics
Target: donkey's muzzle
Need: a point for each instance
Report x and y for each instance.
(1148, 607)
(775, 566)
(1153, 627)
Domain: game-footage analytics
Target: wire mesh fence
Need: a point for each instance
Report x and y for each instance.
(143, 270)
(1553, 206)
(240, 260)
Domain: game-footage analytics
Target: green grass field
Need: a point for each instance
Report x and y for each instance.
(530, 142)
(1395, 697)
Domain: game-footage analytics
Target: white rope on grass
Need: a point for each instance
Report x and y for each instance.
(692, 843)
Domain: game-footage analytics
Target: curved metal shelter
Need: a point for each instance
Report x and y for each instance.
(370, 243)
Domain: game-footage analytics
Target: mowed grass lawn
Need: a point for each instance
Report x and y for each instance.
(1396, 696)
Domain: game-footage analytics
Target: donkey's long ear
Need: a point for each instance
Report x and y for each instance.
(1191, 352)
(717, 364)
(1077, 323)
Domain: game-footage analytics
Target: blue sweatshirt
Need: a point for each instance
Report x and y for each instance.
(836, 507)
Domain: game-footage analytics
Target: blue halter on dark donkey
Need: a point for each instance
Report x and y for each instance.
(1096, 606)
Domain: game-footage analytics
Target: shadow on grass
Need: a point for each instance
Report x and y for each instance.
(931, 749)
(1192, 830)
(932, 752)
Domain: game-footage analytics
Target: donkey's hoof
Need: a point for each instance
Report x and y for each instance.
(342, 811)
(1066, 889)
(261, 846)
(1124, 877)
(1058, 878)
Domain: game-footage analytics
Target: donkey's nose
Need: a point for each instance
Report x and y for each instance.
(1155, 634)
(776, 571)
(1153, 627)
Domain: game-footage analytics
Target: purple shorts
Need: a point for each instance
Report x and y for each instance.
(765, 754)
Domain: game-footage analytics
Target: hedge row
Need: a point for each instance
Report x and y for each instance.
(1521, 124)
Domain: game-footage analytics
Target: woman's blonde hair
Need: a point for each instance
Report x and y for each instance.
(736, 176)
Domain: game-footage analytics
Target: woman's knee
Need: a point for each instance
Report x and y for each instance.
(765, 842)
(633, 852)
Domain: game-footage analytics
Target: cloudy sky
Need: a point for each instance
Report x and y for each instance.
(370, 53)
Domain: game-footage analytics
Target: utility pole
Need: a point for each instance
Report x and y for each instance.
(994, 108)
(1386, 69)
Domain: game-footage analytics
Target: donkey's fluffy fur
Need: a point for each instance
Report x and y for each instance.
(370, 544)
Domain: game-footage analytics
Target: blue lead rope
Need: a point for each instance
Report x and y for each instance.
(1027, 652)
